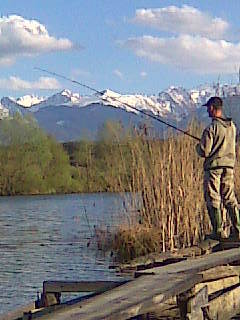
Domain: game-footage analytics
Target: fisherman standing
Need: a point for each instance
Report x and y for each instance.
(217, 146)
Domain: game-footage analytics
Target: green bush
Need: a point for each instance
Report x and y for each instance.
(32, 162)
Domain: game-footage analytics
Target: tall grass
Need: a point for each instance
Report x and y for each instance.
(168, 176)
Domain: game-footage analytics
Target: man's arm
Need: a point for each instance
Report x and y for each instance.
(204, 147)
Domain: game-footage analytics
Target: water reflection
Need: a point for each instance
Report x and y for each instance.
(45, 238)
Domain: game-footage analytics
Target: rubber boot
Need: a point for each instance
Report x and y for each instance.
(235, 219)
(216, 221)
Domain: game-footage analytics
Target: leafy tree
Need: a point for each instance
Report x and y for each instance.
(31, 161)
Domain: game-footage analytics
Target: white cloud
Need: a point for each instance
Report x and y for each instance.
(43, 83)
(143, 74)
(22, 37)
(197, 54)
(118, 73)
(184, 20)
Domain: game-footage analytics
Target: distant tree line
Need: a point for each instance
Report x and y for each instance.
(33, 162)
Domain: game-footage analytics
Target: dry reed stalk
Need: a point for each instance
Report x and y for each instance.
(167, 175)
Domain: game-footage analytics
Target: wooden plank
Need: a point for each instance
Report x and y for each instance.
(190, 303)
(225, 245)
(141, 295)
(131, 299)
(219, 272)
(218, 278)
(220, 284)
(157, 259)
(198, 264)
(225, 306)
(194, 304)
(167, 310)
(79, 286)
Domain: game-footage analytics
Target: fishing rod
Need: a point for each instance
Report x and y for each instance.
(117, 100)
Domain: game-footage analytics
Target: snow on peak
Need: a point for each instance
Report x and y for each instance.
(73, 97)
(29, 100)
(66, 92)
(174, 102)
(137, 101)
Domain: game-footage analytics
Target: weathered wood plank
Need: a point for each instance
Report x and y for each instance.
(191, 301)
(157, 259)
(225, 306)
(219, 272)
(226, 244)
(220, 284)
(195, 304)
(218, 278)
(199, 264)
(142, 294)
(79, 286)
(128, 300)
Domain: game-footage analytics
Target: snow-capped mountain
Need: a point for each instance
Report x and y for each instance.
(28, 100)
(55, 113)
(174, 100)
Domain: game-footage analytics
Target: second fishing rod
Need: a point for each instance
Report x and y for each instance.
(119, 101)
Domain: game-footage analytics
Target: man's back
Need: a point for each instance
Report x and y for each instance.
(217, 145)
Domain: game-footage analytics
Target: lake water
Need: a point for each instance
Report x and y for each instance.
(47, 238)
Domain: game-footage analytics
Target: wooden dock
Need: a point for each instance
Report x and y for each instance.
(200, 284)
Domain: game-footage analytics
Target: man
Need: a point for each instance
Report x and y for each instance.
(217, 146)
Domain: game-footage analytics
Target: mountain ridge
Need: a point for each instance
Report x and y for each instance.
(174, 104)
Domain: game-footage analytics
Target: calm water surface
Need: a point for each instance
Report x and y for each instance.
(46, 237)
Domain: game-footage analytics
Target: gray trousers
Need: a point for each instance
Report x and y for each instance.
(219, 188)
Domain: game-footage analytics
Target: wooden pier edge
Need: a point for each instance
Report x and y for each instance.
(139, 296)
(79, 286)
(151, 288)
(52, 290)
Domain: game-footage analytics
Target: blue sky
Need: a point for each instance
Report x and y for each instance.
(129, 46)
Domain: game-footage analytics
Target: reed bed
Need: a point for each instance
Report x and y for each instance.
(167, 175)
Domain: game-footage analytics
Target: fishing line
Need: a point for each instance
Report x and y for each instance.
(117, 100)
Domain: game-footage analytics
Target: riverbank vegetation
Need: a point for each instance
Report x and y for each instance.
(30, 161)
(165, 174)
